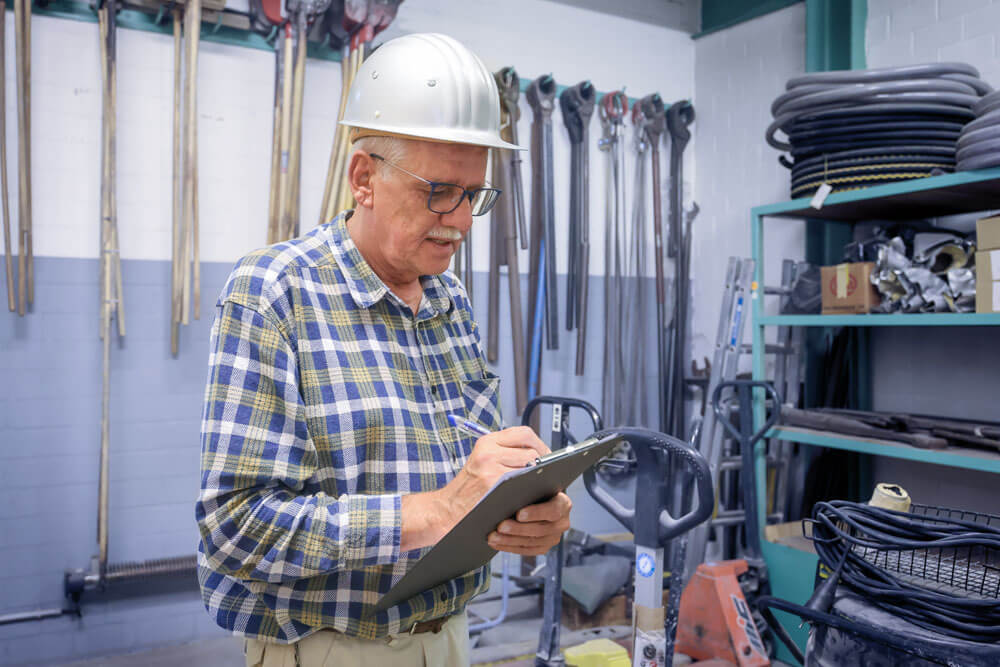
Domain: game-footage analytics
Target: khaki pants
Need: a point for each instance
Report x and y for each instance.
(327, 648)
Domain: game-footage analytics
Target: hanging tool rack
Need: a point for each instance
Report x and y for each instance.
(222, 26)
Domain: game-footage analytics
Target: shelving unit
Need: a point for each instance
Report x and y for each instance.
(792, 571)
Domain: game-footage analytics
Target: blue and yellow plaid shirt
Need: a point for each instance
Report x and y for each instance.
(326, 402)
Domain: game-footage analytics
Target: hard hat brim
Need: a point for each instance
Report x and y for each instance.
(439, 135)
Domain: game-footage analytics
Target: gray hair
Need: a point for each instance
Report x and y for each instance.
(393, 149)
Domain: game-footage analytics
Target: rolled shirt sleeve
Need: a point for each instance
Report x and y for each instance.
(257, 455)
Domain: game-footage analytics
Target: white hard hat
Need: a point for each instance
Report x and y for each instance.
(426, 86)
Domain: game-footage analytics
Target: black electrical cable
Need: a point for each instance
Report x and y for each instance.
(811, 149)
(838, 168)
(979, 143)
(911, 117)
(826, 129)
(906, 151)
(850, 531)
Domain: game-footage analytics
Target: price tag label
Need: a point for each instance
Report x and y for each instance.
(821, 194)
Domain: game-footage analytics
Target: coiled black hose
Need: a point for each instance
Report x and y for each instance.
(904, 122)
(863, 536)
(979, 143)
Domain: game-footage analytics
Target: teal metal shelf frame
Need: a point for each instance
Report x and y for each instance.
(961, 192)
(884, 320)
(956, 457)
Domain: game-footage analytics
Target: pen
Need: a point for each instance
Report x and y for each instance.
(467, 427)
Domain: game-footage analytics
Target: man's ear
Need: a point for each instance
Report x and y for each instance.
(360, 170)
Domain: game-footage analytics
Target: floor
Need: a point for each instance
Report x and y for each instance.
(511, 644)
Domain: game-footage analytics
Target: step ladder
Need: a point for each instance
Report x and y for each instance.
(720, 451)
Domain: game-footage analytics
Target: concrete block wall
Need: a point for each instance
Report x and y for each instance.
(917, 31)
(50, 361)
(738, 72)
(914, 368)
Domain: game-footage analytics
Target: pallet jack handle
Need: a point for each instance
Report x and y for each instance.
(565, 403)
(652, 450)
(548, 654)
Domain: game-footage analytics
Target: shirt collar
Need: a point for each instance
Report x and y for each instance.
(365, 286)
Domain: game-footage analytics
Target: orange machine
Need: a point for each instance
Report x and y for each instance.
(715, 621)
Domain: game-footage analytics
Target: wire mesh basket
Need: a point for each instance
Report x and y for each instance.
(970, 571)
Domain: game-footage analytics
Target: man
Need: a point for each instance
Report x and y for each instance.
(328, 465)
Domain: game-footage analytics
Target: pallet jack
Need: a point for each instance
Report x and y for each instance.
(717, 621)
(654, 625)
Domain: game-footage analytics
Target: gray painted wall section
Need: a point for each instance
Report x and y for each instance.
(50, 402)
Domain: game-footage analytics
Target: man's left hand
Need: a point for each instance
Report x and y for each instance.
(535, 529)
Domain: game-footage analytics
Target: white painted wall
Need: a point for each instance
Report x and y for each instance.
(916, 31)
(234, 110)
(738, 72)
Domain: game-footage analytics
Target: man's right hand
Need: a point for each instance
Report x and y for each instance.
(493, 456)
(427, 517)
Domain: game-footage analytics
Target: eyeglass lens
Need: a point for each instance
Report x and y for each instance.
(446, 198)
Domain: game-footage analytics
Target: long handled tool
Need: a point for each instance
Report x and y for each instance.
(679, 116)
(110, 264)
(291, 49)
(510, 90)
(541, 97)
(333, 28)
(301, 14)
(656, 122)
(189, 210)
(509, 218)
(25, 263)
(268, 13)
(357, 25)
(632, 407)
(266, 19)
(577, 105)
(177, 190)
(8, 255)
(285, 130)
(543, 301)
(354, 24)
(612, 110)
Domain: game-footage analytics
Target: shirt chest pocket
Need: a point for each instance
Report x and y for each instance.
(482, 400)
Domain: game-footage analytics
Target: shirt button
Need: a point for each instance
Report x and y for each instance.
(434, 390)
(444, 596)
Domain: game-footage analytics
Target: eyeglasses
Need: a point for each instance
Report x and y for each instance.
(446, 197)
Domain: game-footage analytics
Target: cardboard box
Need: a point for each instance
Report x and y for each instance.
(790, 534)
(847, 288)
(988, 233)
(988, 281)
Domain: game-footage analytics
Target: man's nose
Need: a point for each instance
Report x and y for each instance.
(461, 217)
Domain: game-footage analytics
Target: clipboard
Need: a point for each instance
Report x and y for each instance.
(465, 547)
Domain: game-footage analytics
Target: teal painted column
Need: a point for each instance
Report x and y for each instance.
(835, 40)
